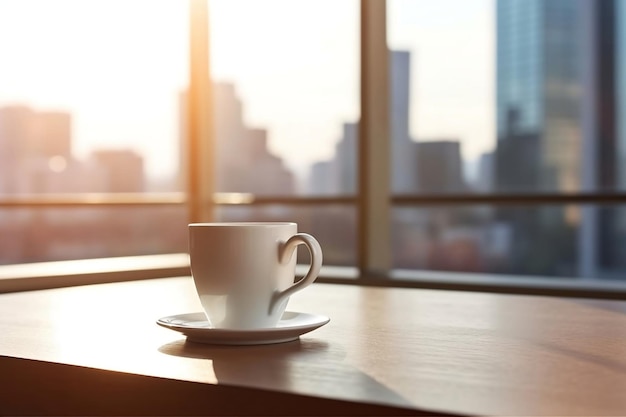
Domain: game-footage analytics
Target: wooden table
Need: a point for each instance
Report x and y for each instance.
(97, 350)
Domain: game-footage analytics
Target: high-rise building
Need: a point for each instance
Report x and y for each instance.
(539, 105)
(243, 161)
(403, 161)
(341, 172)
(539, 94)
(557, 127)
(122, 170)
(440, 167)
(338, 175)
(33, 144)
(485, 178)
(25, 133)
(610, 165)
(620, 88)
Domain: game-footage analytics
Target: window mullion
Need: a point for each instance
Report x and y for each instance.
(201, 133)
(374, 147)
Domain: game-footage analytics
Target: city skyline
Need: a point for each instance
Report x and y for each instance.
(558, 93)
(36, 157)
(558, 72)
(301, 97)
(239, 146)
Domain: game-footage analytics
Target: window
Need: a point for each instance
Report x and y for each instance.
(286, 86)
(413, 138)
(505, 131)
(89, 112)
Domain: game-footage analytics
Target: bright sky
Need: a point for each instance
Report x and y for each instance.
(118, 65)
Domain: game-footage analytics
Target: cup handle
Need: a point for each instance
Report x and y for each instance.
(285, 252)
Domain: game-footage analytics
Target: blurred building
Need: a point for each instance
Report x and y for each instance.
(539, 104)
(323, 178)
(557, 98)
(439, 167)
(243, 161)
(339, 175)
(36, 157)
(32, 142)
(122, 170)
(615, 225)
(539, 93)
(25, 133)
(404, 166)
(485, 176)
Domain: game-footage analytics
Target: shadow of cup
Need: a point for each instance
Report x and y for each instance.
(267, 365)
(305, 366)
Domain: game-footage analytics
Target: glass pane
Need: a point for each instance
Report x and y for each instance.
(546, 241)
(507, 95)
(334, 226)
(287, 95)
(90, 92)
(54, 234)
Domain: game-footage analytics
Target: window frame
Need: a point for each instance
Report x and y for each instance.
(373, 201)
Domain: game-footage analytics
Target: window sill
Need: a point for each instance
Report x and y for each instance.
(44, 275)
(510, 284)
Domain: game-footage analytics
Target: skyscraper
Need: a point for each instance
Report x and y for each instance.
(539, 94)
(243, 162)
(557, 127)
(340, 174)
(122, 170)
(403, 161)
(440, 167)
(30, 141)
(611, 164)
(539, 107)
(620, 62)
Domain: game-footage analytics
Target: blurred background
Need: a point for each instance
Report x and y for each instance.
(488, 98)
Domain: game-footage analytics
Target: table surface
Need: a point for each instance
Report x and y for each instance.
(90, 349)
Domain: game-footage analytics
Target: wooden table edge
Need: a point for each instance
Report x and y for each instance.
(32, 387)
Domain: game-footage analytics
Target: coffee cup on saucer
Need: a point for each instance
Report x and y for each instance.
(244, 272)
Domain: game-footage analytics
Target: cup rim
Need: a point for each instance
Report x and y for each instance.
(243, 224)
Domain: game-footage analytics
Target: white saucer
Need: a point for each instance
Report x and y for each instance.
(197, 329)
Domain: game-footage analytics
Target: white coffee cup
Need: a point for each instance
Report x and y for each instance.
(244, 272)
